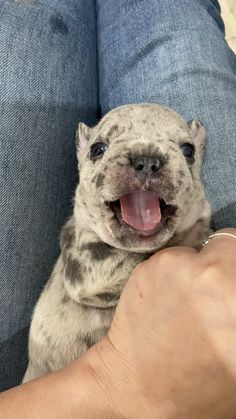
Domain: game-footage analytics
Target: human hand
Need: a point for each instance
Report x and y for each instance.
(170, 352)
(171, 349)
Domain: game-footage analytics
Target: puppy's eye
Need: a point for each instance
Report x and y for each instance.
(97, 150)
(188, 151)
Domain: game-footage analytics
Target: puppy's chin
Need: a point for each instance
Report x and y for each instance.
(132, 241)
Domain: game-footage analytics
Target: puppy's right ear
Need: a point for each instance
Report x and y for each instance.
(82, 137)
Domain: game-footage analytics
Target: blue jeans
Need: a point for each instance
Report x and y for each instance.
(63, 61)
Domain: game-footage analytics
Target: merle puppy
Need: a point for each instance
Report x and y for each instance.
(139, 191)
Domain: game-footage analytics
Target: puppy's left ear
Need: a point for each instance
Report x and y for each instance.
(82, 137)
(197, 134)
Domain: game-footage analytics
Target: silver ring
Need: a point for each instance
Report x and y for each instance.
(231, 235)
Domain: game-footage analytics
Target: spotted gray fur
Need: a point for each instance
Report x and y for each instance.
(65, 299)
(100, 180)
(108, 296)
(98, 253)
(98, 250)
(73, 272)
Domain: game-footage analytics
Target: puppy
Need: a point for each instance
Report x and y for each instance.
(139, 191)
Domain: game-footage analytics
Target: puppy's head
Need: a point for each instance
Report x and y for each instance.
(139, 176)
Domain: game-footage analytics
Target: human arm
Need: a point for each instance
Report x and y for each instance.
(72, 392)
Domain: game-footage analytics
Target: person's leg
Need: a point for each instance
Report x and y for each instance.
(48, 82)
(174, 53)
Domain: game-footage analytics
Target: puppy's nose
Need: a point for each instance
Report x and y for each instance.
(146, 165)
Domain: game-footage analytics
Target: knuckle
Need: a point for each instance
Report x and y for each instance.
(163, 256)
(212, 270)
(171, 256)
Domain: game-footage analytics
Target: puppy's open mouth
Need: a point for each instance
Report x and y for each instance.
(143, 211)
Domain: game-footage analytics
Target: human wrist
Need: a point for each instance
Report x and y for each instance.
(110, 374)
(74, 391)
(125, 392)
(94, 395)
(121, 387)
(103, 371)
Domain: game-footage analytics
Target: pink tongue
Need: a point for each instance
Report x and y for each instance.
(141, 210)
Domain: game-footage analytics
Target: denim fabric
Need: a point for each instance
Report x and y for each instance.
(48, 82)
(174, 53)
(163, 51)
